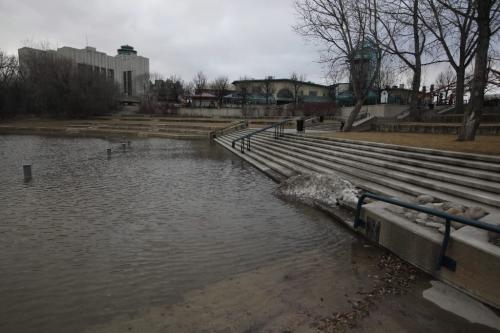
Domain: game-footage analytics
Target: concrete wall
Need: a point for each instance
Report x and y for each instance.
(378, 110)
(259, 111)
(478, 261)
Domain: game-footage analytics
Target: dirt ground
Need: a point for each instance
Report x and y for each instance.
(358, 289)
(489, 145)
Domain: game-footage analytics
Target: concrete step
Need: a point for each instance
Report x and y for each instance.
(271, 169)
(353, 151)
(377, 174)
(476, 161)
(294, 153)
(326, 160)
(303, 167)
(470, 181)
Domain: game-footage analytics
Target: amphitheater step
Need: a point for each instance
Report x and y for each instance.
(385, 169)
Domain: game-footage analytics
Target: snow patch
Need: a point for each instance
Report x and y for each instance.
(329, 190)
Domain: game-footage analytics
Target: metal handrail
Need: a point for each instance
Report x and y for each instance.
(443, 259)
(279, 129)
(220, 131)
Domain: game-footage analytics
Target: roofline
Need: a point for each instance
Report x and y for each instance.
(282, 80)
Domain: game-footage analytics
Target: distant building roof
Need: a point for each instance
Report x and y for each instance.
(126, 49)
(280, 80)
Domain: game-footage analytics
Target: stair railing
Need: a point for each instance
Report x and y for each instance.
(279, 130)
(443, 260)
(230, 128)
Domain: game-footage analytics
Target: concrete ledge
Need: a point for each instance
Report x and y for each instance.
(478, 261)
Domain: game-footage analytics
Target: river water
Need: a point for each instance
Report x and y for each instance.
(91, 238)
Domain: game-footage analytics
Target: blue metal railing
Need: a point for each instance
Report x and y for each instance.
(443, 259)
(233, 126)
(279, 130)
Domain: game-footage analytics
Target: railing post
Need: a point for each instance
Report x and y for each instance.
(359, 206)
(443, 259)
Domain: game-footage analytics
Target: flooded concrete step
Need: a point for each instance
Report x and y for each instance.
(403, 183)
(393, 183)
(447, 168)
(490, 163)
(272, 170)
(431, 184)
(306, 168)
(340, 157)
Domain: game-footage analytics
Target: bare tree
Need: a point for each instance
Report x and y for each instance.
(297, 81)
(220, 86)
(268, 88)
(403, 35)
(445, 82)
(348, 28)
(9, 85)
(487, 25)
(386, 77)
(452, 23)
(199, 82)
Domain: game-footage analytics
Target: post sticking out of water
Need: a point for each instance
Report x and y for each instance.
(129, 143)
(27, 172)
(124, 146)
(108, 151)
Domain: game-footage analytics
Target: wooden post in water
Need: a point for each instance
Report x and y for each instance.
(124, 146)
(108, 151)
(129, 143)
(27, 172)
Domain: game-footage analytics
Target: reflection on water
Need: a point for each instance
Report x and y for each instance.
(90, 239)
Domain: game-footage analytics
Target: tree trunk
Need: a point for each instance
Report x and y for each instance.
(459, 90)
(417, 70)
(352, 116)
(473, 113)
(415, 87)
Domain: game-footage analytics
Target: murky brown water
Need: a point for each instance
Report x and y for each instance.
(92, 239)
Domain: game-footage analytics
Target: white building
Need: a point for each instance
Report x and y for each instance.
(127, 68)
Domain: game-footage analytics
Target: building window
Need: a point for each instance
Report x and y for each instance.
(313, 93)
(127, 83)
(111, 74)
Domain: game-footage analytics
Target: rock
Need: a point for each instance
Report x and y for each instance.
(410, 216)
(422, 216)
(424, 199)
(448, 205)
(420, 221)
(438, 219)
(454, 211)
(396, 209)
(433, 225)
(442, 229)
(475, 213)
(438, 205)
(429, 205)
(457, 225)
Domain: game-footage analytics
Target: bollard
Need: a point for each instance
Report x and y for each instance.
(27, 172)
(108, 151)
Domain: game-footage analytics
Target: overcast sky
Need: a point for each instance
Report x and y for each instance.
(220, 37)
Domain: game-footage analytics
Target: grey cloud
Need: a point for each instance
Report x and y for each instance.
(225, 37)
